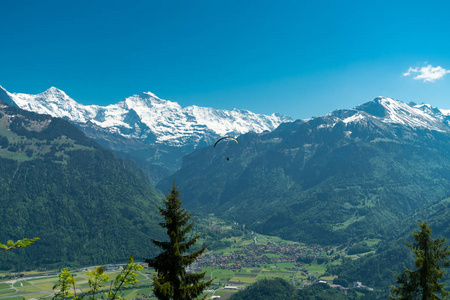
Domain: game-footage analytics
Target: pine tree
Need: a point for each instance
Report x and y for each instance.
(423, 283)
(171, 281)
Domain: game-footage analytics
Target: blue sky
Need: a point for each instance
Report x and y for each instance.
(300, 58)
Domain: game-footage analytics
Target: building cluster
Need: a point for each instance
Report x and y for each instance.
(257, 255)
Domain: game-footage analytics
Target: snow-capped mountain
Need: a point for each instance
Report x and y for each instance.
(390, 112)
(158, 133)
(149, 119)
(369, 166)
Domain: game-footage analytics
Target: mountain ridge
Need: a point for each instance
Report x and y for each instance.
(327, 179)
(139, 116)
(153, 132)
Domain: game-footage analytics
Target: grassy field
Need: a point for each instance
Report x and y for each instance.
(42, 287)
(221, 278)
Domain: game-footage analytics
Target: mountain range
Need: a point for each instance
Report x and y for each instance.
(351, 174)
(146, 128)
(370, 172)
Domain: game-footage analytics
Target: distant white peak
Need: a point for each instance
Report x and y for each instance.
(427, 107)
(56, 103)
(55, 92)
(54, 89)
(149, 99)
(195, 107)
(387, 100)
(392, 111)
(445, 112)
(392, 105)
(423, 105)
(431, 109)
(278, 115)
(150, 94)
(418, 109)
(241, 110)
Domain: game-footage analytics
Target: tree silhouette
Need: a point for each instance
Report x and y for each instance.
(171, 281)
(423, 283)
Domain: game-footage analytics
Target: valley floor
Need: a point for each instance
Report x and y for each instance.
(247, 258)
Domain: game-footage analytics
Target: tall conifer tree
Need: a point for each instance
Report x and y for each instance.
(423, 283)
(171, 281)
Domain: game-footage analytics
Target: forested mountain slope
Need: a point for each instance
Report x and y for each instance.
(378, 269)
(350, 174)
(86, 205)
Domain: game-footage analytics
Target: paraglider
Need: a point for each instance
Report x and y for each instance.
(226, 137)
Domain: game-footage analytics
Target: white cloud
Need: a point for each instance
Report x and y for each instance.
(428, 73)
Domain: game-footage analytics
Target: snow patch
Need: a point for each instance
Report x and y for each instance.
(445, 112)
(353, 119)
(401, 113)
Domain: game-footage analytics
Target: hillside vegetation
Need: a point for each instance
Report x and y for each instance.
(320, 181)
(377, 269)
(86, 205)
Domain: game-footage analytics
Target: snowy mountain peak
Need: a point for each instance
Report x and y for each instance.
(445, 112)
(392, 111)
(423, 105)
(53, 89)
(55, 95)
(431, 109)
(385, 112)
(5, 96)
(150, 94)
(149, 119)
(56, 103)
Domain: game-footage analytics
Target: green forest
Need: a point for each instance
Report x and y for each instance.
(86, 205)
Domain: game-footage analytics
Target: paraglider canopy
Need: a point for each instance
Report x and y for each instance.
(226, 137)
